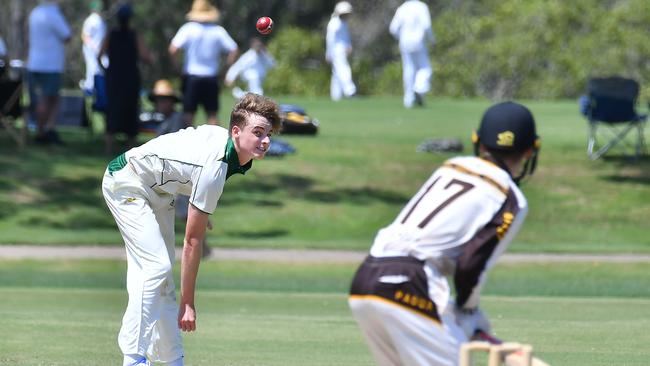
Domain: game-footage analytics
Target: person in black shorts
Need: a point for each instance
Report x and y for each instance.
(203, 43)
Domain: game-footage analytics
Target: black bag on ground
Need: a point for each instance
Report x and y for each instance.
(296, 121)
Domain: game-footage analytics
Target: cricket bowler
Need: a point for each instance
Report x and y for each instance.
(457, 225)
(139, 188)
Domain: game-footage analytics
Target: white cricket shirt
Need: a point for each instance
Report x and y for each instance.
(193, 162)
(251, 65)
(337, 39)
(203, 44)
(95, 28)
(411, 24)
(460, 220)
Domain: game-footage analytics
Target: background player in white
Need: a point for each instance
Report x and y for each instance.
(252, 66)
(411, 25)
(338, 49)
(457, 225)
(139, 188)
(92, 36)
(203, 43)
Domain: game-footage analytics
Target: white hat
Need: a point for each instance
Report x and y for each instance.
(342, 7)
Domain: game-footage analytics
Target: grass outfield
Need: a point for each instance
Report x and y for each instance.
(345, 183)
(68, 313)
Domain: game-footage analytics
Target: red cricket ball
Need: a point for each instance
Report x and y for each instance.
(264, 25)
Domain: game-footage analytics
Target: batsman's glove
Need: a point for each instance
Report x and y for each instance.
(472, 320)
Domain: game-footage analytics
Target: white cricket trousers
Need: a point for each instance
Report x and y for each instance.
(146, 222)
(341, 84)
(416, 74)
(254, 83)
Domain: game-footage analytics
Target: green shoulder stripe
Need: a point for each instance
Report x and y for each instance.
(117, 164)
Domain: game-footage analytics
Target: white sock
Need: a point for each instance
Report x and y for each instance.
(133, 360)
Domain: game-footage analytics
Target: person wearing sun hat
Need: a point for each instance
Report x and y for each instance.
(203, 42)
(164, 99)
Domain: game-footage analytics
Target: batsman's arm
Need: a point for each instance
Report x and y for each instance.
(197, 222)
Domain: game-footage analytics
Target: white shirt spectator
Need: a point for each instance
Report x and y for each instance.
(337, 40)
(203, 44)
(94, 29)
(252, 66)
(48, 31)
(412, 26)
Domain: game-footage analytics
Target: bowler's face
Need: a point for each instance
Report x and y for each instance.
(254, 139)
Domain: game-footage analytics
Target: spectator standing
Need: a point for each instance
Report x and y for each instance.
(92, 35)
(203, 42)
(124, 49)
(252, 66)
(411, 25)
(338, 49)
(48, 33)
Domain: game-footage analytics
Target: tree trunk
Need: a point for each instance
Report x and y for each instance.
(16, 36)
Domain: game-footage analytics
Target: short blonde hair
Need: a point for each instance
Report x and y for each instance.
(255, 104)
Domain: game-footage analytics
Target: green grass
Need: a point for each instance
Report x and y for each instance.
(345, 183)
(68, 313)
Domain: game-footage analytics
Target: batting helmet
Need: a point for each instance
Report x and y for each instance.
(508, 127)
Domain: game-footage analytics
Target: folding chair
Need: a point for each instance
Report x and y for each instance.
(611, 102)
(11, 109)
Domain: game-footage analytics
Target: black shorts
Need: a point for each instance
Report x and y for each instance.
(400, 280)
(200, 90)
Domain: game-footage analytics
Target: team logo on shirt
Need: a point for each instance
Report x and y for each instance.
(506, 138)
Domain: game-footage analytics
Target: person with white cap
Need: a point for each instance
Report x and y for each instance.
(203, 42)
(338, 49)
(411, 25)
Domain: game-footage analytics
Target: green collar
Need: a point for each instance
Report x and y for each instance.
(232, 160)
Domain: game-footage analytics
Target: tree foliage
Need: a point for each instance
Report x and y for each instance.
(491, 48)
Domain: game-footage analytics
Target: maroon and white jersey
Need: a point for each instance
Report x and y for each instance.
(460, 221)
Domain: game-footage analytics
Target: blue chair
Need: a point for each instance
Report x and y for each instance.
(611, 104)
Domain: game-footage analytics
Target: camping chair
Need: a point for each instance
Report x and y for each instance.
(11, 109)
(611, 102)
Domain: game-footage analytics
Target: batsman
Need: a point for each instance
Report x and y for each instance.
(456, 226)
